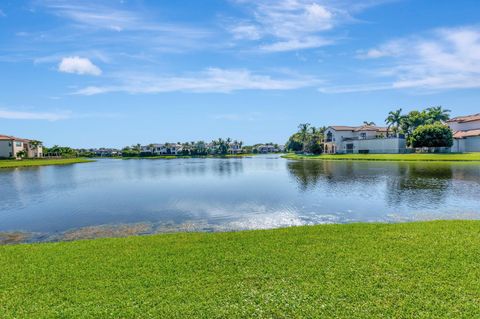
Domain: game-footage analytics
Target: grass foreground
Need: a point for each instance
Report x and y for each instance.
(41, 162)
(411, 270)
(452, 157)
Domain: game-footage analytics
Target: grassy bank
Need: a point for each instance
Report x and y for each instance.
(453, 157)
(41, 162)
(413, 270)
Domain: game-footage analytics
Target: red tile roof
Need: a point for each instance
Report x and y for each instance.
(467, 118)
(12, 138)
(360, 128)
(464, 134)
(344, 128)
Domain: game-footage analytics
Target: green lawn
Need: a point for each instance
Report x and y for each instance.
(412, 270)
(453, 157)
(41, 162)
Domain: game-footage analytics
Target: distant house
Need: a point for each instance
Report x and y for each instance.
(466, 133)
(162, 149)
(106, 152)
(361, 139)
(267, 148)
(235, 148)
(10, 146)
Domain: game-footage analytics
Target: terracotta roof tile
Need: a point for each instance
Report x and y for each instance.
(359, 128)
(469, 133)
(467, 118)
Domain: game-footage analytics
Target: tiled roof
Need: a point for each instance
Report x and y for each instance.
(344, 128)
(12, 138)
(467, 118)
(371, 128)
(360, 128)
(469, 133)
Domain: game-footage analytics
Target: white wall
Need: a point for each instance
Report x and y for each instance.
(5, 149)
(379, 146)
(472, 144)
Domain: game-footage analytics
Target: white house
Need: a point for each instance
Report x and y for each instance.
(10, 146)
(267, 148)
(235, 148)
(466, 133)
(162, 149)
(361, 139)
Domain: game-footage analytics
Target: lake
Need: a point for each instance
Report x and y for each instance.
(113, 197)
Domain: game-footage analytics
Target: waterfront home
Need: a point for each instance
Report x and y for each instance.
(362, 139)
(235, 148)
(106, 152)
(162, 149)
(12, 147)
(267, 148)
(466, 133)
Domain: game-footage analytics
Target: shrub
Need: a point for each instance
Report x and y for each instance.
(433, 135)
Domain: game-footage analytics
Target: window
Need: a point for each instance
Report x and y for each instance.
(18, 144)
(363, 136)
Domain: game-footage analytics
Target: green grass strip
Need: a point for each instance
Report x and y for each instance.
(411, 270)
(453, 157)
(41, 162)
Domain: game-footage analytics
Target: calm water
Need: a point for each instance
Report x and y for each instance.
(230, 194)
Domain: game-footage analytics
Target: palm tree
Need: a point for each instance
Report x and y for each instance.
(150, 147)
(394, 120)
(303, 131)
(437, 114)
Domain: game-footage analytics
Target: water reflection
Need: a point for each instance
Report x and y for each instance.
(229, 194)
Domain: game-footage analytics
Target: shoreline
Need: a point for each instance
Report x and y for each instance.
(445, 158)
(146, 229)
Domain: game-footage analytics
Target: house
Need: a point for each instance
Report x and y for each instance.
(361, 139)
(105, 152)
(235, 148)
(162, 149)
(10, 146)
(466, 133)
(266, 148)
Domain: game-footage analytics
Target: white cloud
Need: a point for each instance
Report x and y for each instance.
(245, 31)
(78, 65)
(286, 25)
(19, 115)
(447, 58)
(294, 44)
(211, 80)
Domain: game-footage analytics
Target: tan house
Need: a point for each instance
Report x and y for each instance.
(11, 146)
(466, 133)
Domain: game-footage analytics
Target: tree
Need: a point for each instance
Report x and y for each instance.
(369, 123)
(21, 154)
(307, 139)
(432, 135)
(303, 131)
(394, 120)
(294, 143)
(437, 114)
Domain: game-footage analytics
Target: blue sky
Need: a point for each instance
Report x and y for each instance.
(114, 73)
